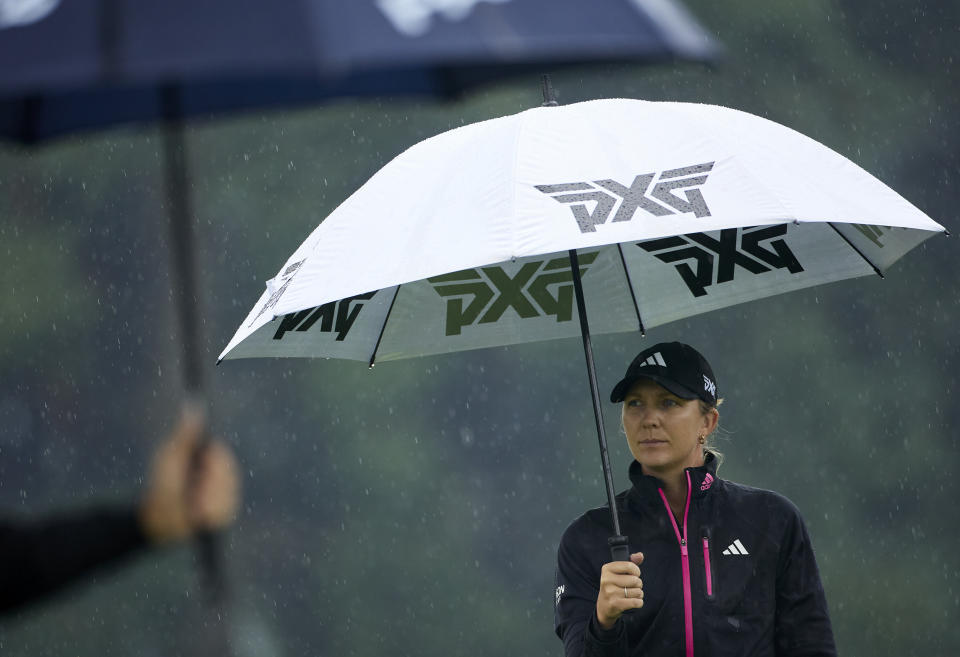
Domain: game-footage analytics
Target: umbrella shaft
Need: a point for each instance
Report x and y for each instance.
(182, 243)
(594, 390)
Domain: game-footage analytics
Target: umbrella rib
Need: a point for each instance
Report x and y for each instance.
(383, 328)
(636, 306)
(859, 252)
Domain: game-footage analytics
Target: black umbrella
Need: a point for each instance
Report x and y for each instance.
(67, 67)
(96, 63)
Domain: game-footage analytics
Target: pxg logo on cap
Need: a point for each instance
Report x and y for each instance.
(678, 367)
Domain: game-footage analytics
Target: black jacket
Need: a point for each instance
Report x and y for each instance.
(43, 556)
(754, 587)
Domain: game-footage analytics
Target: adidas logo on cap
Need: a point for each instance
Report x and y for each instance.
(655, 359)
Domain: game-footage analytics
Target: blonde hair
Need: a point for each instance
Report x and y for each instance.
(709, 447)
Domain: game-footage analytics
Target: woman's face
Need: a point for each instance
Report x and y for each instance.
(663, 430)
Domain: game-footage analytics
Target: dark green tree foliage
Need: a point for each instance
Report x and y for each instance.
(415, 509)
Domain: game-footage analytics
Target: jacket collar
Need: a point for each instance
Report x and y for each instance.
(703, 479)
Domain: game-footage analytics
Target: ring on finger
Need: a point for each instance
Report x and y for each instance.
(625, 594)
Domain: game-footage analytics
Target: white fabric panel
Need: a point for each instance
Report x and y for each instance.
(442, 205)
(881, 245)
(813, 251)
(346, 329)
(526, 300)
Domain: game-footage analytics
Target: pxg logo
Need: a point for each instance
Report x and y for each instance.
(481, 296)
(659, 198)
(286, 277)
(715, 260)
(872, 233)
(336, 316)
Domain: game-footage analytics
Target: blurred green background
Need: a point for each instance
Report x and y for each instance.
(415, 509)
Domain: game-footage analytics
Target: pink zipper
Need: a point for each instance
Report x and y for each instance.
(685, 564)
(706, 563)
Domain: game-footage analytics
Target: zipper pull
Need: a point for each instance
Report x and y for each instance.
(706, 565)
(683, 546)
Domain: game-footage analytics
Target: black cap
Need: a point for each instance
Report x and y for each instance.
(678, 367)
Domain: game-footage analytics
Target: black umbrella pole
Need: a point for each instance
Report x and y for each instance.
(619, 544)
(186, 297)
(183, 257)
(184, 273)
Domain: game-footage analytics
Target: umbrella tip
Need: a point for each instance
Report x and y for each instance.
(549, 96)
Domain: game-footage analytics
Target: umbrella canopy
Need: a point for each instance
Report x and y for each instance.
(68, 66)
(676, 209)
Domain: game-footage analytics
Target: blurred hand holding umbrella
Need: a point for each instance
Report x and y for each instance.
(642, 212)
(68, 67)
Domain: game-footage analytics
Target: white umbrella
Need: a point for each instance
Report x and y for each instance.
(469, 239)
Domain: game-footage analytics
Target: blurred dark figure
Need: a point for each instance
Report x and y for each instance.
(189, 490)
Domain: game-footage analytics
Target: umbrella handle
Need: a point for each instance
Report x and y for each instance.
(620, 551)
(619, 548)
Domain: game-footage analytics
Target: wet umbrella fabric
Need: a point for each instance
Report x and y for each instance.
(643, 212)
(675, 209)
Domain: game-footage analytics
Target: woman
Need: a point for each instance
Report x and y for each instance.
(727, 569)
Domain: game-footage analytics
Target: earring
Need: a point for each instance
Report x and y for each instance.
(702, 439)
